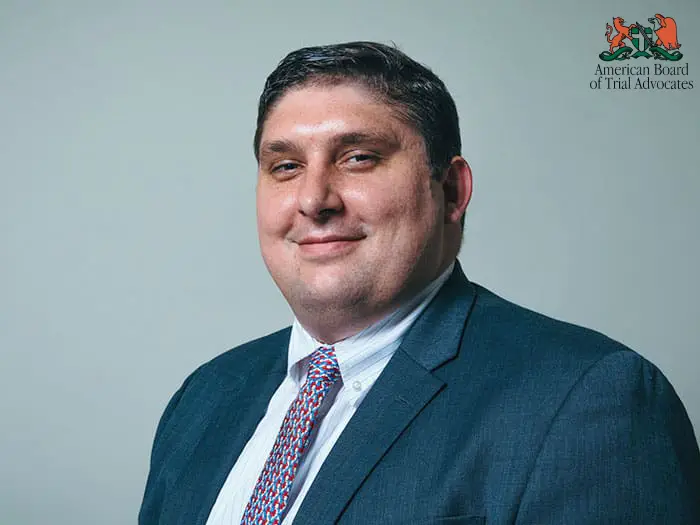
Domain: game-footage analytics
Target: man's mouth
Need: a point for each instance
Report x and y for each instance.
(327, 246)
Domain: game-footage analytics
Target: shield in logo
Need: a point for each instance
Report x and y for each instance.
(641, 43)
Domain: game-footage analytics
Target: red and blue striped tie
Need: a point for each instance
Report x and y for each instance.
(271, 492)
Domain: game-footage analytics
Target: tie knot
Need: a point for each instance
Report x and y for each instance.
(323, 365)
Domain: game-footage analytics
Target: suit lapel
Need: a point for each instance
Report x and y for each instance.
(236, 419)
(242, 395)
(404, 388)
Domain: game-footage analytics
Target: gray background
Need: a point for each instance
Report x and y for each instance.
(129, 252)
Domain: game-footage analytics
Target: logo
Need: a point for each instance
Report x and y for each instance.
(657, 40)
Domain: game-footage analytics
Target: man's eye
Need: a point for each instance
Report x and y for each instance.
(362, 158)
(284, 166)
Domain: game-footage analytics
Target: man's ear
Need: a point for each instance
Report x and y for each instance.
(457, 186)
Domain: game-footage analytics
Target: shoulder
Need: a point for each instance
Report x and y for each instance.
(552, 365)
(225, 372)
(537, 360)
(262, 353)
(253, 351)
(567, 382)
(522, 333)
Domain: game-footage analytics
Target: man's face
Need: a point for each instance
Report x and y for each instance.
(350, 222)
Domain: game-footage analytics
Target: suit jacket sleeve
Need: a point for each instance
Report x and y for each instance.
(621, 449)
(153, 495)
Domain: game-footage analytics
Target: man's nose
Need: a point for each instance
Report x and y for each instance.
(318, 195)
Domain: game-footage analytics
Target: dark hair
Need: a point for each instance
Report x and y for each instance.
(415, 93)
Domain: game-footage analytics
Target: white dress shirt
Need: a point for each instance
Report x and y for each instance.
(361, 359)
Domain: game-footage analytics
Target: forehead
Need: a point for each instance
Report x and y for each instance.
(318, 111)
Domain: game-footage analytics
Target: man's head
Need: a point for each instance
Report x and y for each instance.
(361, 186)
(416, 94)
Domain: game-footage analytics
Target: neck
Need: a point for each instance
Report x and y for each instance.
(338, 325)
(330, 324)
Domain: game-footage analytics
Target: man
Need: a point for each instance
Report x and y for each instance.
(404, 393)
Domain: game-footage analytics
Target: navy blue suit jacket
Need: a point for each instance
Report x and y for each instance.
(487, 413)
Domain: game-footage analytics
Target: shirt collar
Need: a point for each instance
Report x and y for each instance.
(359, 352)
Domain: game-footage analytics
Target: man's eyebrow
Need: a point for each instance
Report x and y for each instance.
(353, 138)
(360, 137)
(277, 146)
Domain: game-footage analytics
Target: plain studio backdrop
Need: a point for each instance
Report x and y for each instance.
(127, 207)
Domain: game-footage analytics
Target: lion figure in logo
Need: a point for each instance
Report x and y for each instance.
(623, 32)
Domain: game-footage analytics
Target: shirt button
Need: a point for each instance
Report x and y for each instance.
(357, 386)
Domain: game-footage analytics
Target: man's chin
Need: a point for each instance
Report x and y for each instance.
(329, 297)
(332, 297)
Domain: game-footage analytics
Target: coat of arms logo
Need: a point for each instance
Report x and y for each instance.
(659, 40)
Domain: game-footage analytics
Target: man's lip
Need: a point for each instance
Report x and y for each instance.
(327, 239)
(326, 247)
